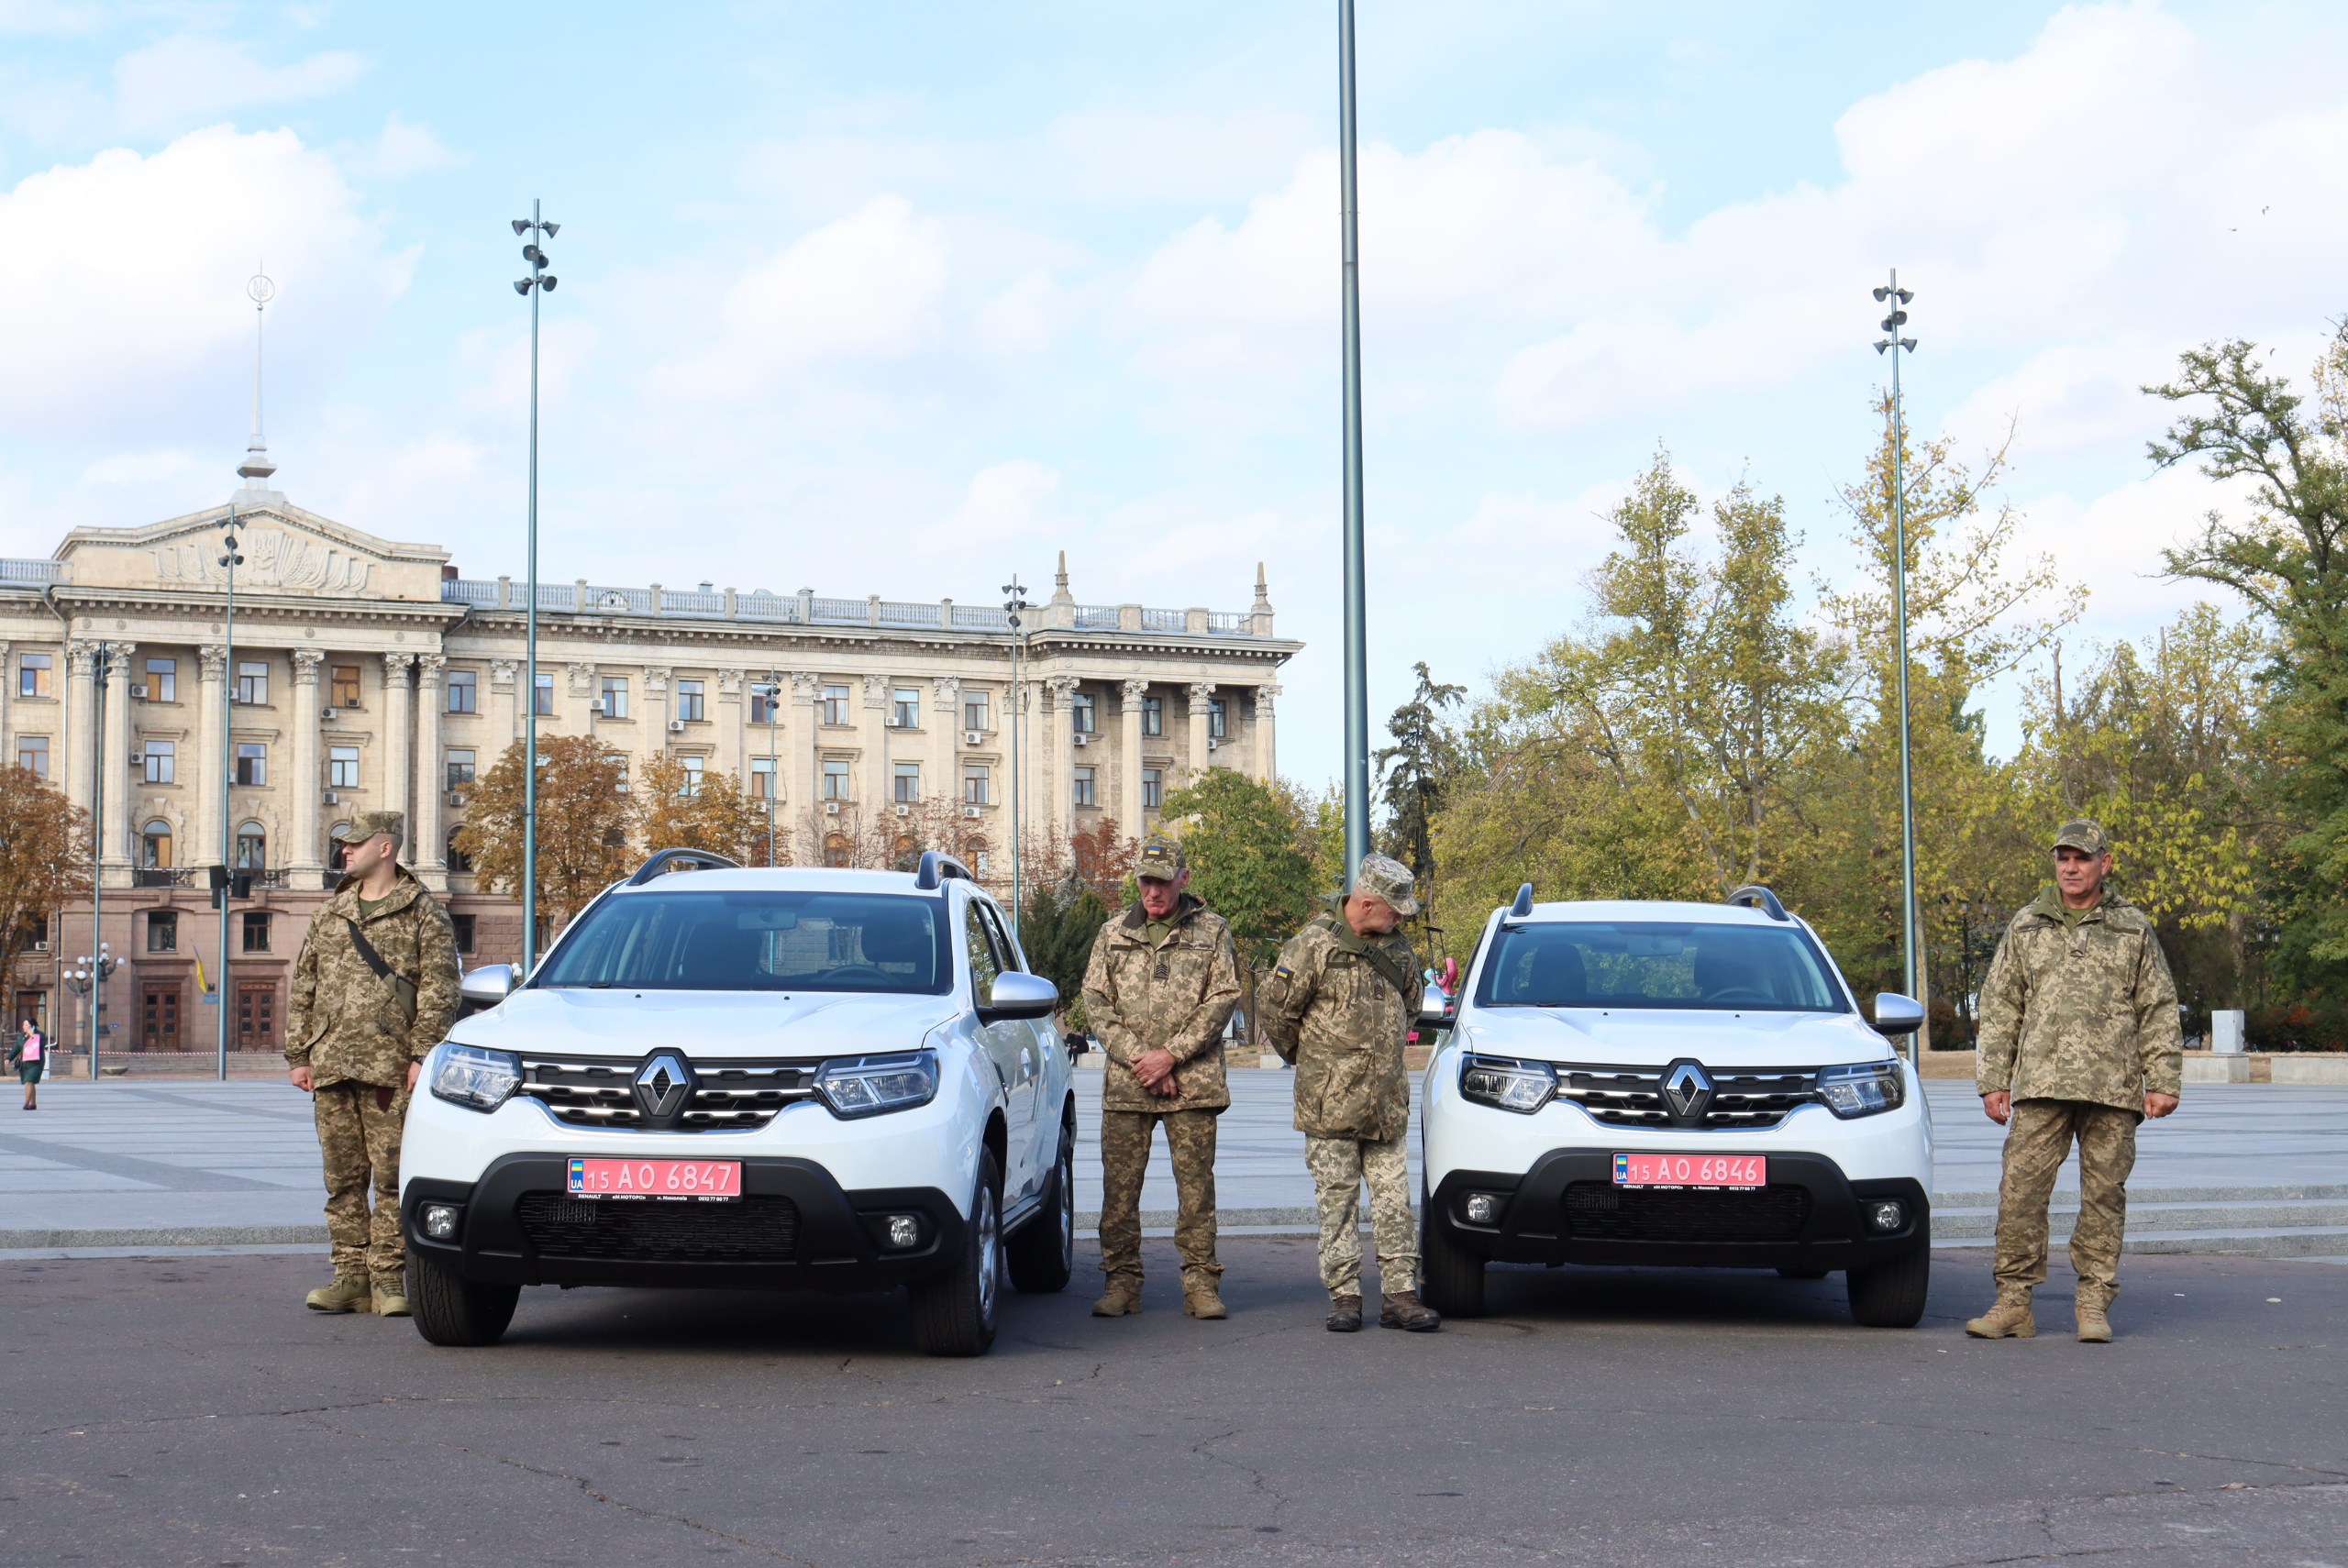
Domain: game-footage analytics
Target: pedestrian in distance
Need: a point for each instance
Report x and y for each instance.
(2079, 1043)
(1162, 981)
(1345, 994)
(374, 990)
(29, 1053)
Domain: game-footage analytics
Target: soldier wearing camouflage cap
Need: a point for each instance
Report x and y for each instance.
(374, 990)
(1160, 989)
(1339, 1007)
(2079, 1041)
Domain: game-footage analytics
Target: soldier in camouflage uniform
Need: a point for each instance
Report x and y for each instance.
(356, 1040)
(1161, 986)
(1339, 1007)
(2079, 1040)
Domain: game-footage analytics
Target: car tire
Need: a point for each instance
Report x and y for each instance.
(1043, 1254)
(1802, 1272)
(450, 1309)
(1891, 1295)
(1454, 1283)
(954, 1313)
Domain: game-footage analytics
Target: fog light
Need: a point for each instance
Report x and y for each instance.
(440, 1222)
(1483, 1208)
(904, 1230)
(1885, 1214)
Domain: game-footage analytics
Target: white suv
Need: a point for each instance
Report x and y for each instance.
(720, 1077)
(1678, 1083)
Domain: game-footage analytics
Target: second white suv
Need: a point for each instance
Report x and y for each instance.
(1678, 1083)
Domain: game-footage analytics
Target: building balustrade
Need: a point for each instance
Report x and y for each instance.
(810, 609)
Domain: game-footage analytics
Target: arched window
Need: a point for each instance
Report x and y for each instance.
(835, 850)
(252, 847)
(155, 843)
(336, 848)
(905, 855)
(981, 859)
(457, 859)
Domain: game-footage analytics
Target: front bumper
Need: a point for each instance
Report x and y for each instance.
(795, 1228)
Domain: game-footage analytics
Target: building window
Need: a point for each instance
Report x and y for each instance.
(460, 768)
(1153, 789)
(343, 692)
(835, 780)
(256, 933)
(458, 861)
(162, 758)
(1215, 718)
(974, 710)
(836, 704)
(766, 703)
(619, 769)
(253, 763)
(163, 931)
(689, 702)
(337, 851)
(904, 708)
(32, 675)
(763, 778)
(464, 929)
(163, 681)
(464, 691)
(982, 860)
(835, 850)
(1153, 715)
(252, 682)
(974, 784)
(1080, 706)
(616, 696)
(908, 782)
(32, 755)
(693, 765)
(252, 847)
(544, 706)
(342, 768)
(1084, 787)
(155, 843)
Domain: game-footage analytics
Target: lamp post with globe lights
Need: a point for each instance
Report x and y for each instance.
(1910, 934)
(540, 282)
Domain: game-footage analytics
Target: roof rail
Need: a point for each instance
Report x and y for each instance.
(1524, 905)
(937, 868)
(703, 860)
(1762, 898)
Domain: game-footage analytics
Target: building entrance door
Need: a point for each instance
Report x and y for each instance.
(158, 1018)
(256, 1016)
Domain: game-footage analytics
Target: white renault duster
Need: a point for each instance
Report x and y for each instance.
(1678, 1083)
(793, 1078)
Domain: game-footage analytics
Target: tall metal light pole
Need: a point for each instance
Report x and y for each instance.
(538, 283)
(1014, 601)
(774, 759)
(101, 666)
(1357, 648)
(1910, 933)
(229, 562)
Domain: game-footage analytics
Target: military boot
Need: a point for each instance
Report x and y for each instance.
(1200, 1297)
(342, 1296)
(2008, 1319)
(1405, 1310)
(389, 1301)
(1345, 1315)
(2092, 1308)
(1121, 1298)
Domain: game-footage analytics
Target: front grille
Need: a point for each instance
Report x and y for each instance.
(749, 1230)
(1742, 1098)
(1600, 1212)
(732, 1095)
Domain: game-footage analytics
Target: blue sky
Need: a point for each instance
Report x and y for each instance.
(900, 298)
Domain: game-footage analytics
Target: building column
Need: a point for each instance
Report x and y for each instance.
(584, 690)
(81, 706)
(1266, 758)
(655, 710)
(1054, 727)
(116, 854)
(307, 851)
(7, 730)
(505, 720)
(211, 755)
(1129, 759)
(806, 786)
(876, 793)
(429, 855)
(1201, 691)
(729, 729)
(399, 768)
(945, 728)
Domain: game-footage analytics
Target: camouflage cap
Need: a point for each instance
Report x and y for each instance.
(367, 825)
(1389, 879)
(1161, 859)
(2084, 835)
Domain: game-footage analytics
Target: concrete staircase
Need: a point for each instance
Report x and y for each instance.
(2253, 1221)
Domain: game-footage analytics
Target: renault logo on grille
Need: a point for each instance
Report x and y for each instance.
(663, 1085)
(1687, 1089)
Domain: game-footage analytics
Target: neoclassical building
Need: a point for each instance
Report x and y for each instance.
(369, 675)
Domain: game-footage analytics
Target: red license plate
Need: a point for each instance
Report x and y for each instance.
(699, 1181)
(1690, 1170)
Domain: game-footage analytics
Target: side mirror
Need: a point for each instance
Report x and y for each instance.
(487, 985)
(1017, 994)
(1434, 1018)
(1896, 1014)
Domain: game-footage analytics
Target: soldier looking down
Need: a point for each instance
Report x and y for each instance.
(374, 990)
(2079, 1040)
(1161, 986)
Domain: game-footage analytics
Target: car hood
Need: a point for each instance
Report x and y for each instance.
(703, 1024)
(1653, 1039)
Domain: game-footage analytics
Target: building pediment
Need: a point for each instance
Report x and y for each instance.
(285, 550)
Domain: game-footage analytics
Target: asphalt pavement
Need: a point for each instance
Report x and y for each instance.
(188, 1411)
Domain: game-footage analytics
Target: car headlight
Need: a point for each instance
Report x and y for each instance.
(1867, 1088)
(869, 1085)
(1524, 1086)
(475, 1079)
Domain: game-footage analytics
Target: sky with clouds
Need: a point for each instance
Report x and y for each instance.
(903, 298)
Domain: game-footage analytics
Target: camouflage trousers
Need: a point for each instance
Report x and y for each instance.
(1124, 1156)
(1339, 1167)
(360, 1139)
(2038, 1140)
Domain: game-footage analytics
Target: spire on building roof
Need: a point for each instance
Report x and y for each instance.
(256, 468)
(1060, 594)
(1263, 597)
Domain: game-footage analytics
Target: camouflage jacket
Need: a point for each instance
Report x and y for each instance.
(1174, 998)
(2087, 1013)
(343, 1022)
(1328, 1010)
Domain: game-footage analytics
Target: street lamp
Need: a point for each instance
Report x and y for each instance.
(1014, 601)
(538, 283)
(88, 979)
(1910, 943)
(101, 669)
(1357, 654)
(229, 561)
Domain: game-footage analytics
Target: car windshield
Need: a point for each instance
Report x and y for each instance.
(1658, 964)
(757, 940)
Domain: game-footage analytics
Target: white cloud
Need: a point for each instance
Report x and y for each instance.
(403, 149)
(1026, 318)
(185, 78)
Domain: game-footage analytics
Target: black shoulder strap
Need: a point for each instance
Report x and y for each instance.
(1384, 964)
(366, 954)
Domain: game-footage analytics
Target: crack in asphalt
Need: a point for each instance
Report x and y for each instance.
(1255, 1476)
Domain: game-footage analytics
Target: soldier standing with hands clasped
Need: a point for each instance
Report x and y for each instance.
(1161, 984)
(2079, 1040)
(1339, 1007)
(374, 990)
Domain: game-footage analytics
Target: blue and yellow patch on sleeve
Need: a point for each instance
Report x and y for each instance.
(1283, 973)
